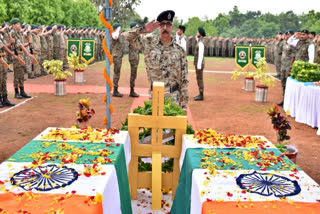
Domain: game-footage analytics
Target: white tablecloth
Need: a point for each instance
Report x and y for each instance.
(303, 102)
(122, 138)
(206, 186)
(106, 185)
(189, 142)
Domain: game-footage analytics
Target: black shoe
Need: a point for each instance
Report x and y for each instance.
(280, 104)
(1, 106)
(6, 102)
(37, 75)
(116, 93)
(133, 94)
(17, 94)
(199, 97)
(23, 94)
(44, 73)
(30, 76)
(9, 70)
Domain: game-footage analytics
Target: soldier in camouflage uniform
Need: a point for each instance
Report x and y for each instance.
(287, 57)
(3, 75)
(44, 50)
(28, 60)
(134, 62)
(64, 48)
(117, 54)
(217, 50)
(56, 41)
(49, 38)
(18, 69)
(199, 62)
(303, 48)
(277, 53)
(165, 60)
(8, 58)
(37, 50)
(223, 47)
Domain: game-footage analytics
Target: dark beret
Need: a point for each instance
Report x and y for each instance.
(14, 21)
(279, 33)
(3, 24)
(305, 31)
(133, 24)
(116, 25)
(166, 15)
(34, 27)
(313, 33)
(23, 26)
(59, 26)
(49, 28)
(181, 27)
(290, 31)
(201, 31)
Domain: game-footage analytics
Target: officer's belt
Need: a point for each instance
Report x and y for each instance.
(172, 89)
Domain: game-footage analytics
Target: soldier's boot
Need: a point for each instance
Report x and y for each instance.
(199, 97)
(23, 94)
(1, 105)
(132, 93)
(6, 102)
(17, 94)
(44, 73)
(116, 93)
(30, 76)
(280, 104)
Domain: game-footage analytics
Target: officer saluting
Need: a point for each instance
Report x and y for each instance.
(165, 60)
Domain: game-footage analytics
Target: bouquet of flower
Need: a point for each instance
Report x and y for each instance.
(84, 113)
(305, 72)
(280, 123)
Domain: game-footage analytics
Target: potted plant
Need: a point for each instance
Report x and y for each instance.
(54, 67)
(249, 82)
(78, 67)
(262, 74)
(281, 125)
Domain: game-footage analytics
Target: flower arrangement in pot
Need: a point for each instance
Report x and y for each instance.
(281, 125)
(249, 82)
(54, 67)
(78, 67)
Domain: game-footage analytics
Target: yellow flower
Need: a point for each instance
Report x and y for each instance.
(98, 198)
(287, 112)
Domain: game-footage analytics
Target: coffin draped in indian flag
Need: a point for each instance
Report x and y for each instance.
(60, 172)
(240, 174)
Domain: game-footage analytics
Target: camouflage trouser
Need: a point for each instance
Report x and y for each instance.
(199, 74)
(278, 65)
(28, 65)
(37, 67)
(133, 76)
(3, 81)
(117, 62)
(175, 96)
(62, 56)
(18, 74)
(43, 57)
(65, 60)
(50, 54)
(56, 53)
(284, 75)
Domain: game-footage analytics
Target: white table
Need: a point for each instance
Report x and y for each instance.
(303, 102)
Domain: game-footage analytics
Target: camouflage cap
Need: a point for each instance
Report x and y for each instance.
(14, 21)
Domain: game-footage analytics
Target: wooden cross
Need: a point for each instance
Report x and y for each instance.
(157, 122)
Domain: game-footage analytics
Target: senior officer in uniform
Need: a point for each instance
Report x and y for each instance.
(165, 60)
